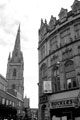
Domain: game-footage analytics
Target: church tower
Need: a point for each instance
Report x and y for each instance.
(15, 67)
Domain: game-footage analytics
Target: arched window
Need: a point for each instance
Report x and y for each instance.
(70, 75)
(56, 78)
(42, 77)
(43, 71)
(14, 72)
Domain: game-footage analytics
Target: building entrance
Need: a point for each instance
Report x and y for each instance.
(65, 114)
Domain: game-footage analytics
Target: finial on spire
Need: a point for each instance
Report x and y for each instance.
(42, 22)
(45, 21)
(19, 28)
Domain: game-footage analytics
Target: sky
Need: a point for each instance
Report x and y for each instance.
(28, 14)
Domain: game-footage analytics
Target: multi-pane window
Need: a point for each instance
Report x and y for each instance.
(70, 75)
(42, 76)
(77, 30)
(71, 83)
(65, 36)
(56, 79)
(53, 43)
(42, 52)
(43, 72)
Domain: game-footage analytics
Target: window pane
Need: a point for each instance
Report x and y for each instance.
(14, 72)
(74, 84)
(69, 83)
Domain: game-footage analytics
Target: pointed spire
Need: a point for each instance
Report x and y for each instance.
(9, 56)
(17, 42)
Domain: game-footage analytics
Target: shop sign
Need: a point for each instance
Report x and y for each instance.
(63, 103)
(47, 87)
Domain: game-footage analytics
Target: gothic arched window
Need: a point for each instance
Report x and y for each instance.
(14, 72)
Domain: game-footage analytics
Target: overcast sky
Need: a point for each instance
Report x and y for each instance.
(28, 14)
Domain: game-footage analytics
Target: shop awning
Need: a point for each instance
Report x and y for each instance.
(64, 95)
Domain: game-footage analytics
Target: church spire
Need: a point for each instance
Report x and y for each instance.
(9, 57)
(17, 42)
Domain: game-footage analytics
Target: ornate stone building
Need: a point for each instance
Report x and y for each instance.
(59, 65)
(15, 68)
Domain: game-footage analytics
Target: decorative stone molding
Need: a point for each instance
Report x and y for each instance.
(67, 50)
(76, 7)
(43, 29)
(54, 57)
(68, 62)
(63, 15)
(52, 22)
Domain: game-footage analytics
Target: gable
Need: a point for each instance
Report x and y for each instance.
(76, 6)
(52, 22)
(62, 15)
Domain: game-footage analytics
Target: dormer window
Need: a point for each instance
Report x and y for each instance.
(14, 72)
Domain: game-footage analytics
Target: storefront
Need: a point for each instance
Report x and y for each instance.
(65, 105)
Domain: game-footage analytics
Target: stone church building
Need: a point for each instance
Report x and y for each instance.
(15, 68)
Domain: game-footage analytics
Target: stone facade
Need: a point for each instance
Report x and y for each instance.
(15, 68)
(59, 58)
